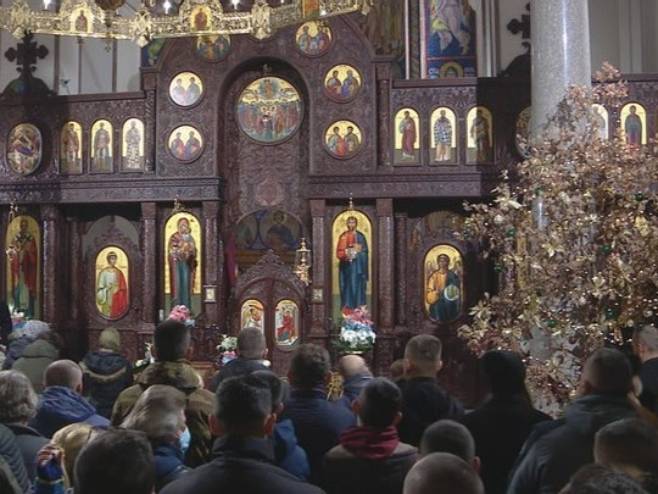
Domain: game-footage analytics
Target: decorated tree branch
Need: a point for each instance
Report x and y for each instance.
(573, 235)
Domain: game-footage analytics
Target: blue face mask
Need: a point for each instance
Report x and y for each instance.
(184, 440)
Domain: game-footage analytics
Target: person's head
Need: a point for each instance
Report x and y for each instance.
(336, 130)
(628, 445)
(442, 113)
(442, 472)
(334, 73)
(350, 73)
(443, 261)
(406, 114)
(19, 401)
(378, 406)
(102, 125)
(504, 373)
(597, 479)
(115, 461)
(171, 341)
(63, 373)
(192, 80)
(244, 408)
(278, 389)
(71, 439)
(350, 129)
(422, 356)
(352, 223)
(159, 413)
(191, 134)
(310, 367)
(183, 223)
(112, 258)
(353, 365)
(179, 81)
(251, 344)
(606, 371)
(633, 109)
(178, 134)
(448, 436)
(23, 226)
(645, 342)
(110, 339)
(397, 369)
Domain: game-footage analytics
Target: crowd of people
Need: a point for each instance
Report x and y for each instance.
(97, 427)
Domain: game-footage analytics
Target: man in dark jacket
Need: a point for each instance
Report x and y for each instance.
(19, 404)
(243, 457)
(503, 423)
(62, 403)
(355, 373)
(251, 351)
(560, 452)
(370, 458)
(37, 356)
(10, 453)
(645, 346)
(106, 372)
(423, 400)
(287, 453)
(318, 422)
(171, 344)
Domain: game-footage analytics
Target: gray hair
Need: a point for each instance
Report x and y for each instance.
(19, 401)
(158, 413)
(648, 335)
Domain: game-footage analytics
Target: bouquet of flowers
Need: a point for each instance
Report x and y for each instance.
(227, 349)
(356, 331)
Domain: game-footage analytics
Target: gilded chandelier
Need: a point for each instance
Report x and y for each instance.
(100, 18)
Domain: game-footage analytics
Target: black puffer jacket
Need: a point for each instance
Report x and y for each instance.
(10, 452)
(106, 374)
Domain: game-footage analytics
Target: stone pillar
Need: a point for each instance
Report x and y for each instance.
(320, 294)
(560, 54)
(50, 216)
(150, 287)
(386, 267)
(211, 258)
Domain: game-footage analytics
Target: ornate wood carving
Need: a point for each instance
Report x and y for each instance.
(212, 259)
(113, 236)
(51, 262)
(385, 255)
(401, 268)
(149, 244)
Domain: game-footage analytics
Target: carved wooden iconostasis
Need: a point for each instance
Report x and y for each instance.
(234, 148)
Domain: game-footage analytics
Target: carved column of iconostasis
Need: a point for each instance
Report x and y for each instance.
(213, 257)
(149, 250)
(320, 291)
(385, 284)
(75, 234)
(149, 84)
(4, 284)
(52, 263)
(401, 269)
(383, 72)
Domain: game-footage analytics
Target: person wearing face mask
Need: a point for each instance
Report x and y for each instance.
(160, 414)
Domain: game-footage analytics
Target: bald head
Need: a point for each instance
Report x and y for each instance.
(442, 472)
(645, 342)
(64, 373)
(607, 371)
(353, 365)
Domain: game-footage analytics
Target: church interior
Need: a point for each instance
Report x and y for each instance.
(283, 164)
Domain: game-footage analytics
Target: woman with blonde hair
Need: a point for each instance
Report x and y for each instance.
(160, 414)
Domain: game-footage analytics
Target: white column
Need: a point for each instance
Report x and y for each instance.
(560, 54)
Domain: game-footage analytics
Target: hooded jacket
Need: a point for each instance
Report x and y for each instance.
(106, 374)
(36, 357)
(368, 461)
(60, 406)
(287, 453)
(199, 403)
(560, 452)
